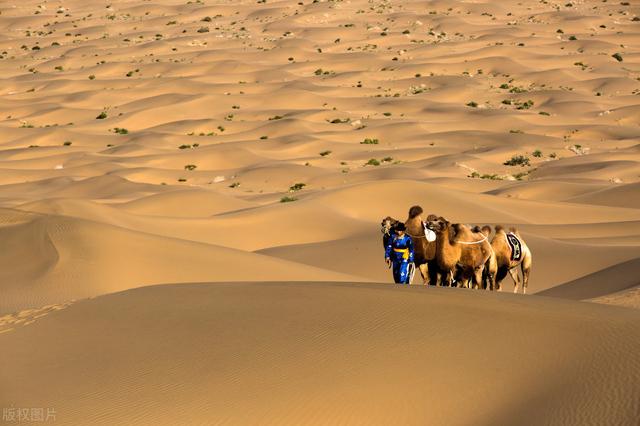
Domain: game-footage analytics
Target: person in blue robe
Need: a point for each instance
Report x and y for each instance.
(399, 255)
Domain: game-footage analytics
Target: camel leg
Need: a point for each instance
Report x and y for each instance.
(500, 276)
(449, 278)
(477, 277)
(489, 280)
(424, 272)
(526, 270)
(432, 270)
(461, 278)
(516, 279)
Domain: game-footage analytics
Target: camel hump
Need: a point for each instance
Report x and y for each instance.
(415, 211)
(476, 229)
(499, 228)
(486, 230)
(513, 229)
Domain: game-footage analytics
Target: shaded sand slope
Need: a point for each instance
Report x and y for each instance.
(300, 353)
(51, 259)
(338, 229)
(622, 276)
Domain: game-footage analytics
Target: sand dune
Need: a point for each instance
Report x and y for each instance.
(145, 143)
(48, 259)
(209, 353)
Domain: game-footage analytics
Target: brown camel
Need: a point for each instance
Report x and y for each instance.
(459, 249)
(424, 250)
(491, 267)
(508, 258)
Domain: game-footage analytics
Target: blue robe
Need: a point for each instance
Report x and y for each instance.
(400, 251)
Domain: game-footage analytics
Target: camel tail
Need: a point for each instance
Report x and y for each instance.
(415, 211)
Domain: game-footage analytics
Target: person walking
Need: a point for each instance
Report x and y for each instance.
(399, 254)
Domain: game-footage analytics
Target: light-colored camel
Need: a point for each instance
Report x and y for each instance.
(505, 263)
(460, 252)
(424, 250)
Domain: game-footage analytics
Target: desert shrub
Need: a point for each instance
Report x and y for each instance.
(297, 187)
(369, 141)
(517, 160)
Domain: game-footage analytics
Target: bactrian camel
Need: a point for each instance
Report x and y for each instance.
(424, 250)
(459, 249)
(508, 258)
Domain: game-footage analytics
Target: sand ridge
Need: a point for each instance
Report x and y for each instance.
(325, 352)
(231, 142)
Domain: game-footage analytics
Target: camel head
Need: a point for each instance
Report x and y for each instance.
(415, 211)
(387, 224)
(437, 224)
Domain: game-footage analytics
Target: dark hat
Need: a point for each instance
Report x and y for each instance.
(400, 227)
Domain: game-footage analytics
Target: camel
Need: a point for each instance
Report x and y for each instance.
(388, 227)
(424, 250)
(507, 261)
(491, 267)
(459, 249)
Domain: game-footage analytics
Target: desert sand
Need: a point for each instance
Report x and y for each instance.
(252, 148)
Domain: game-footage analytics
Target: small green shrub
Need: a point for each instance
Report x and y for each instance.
(526, 105)
(517, 160)
(287, 199)
(369, 141)
(372, 162)
(297, 187)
